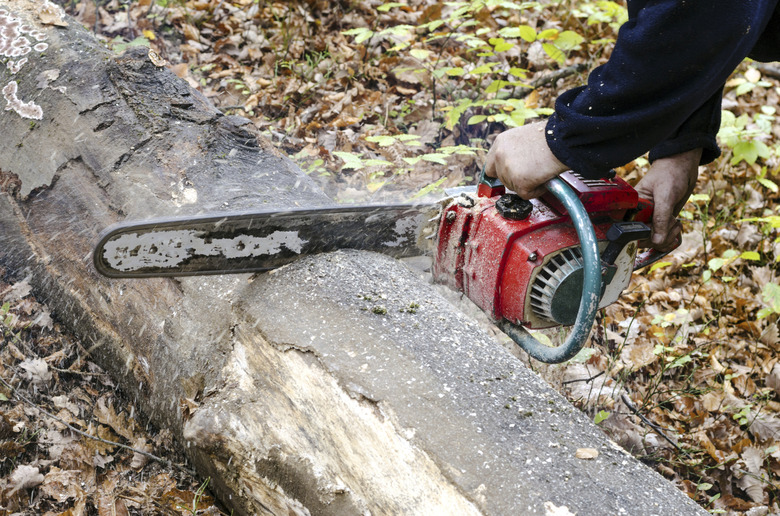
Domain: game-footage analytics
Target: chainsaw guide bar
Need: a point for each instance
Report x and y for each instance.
(259, 241)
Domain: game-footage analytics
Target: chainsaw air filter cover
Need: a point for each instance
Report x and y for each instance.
(528, 269)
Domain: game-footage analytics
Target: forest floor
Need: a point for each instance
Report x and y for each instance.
(392, 100)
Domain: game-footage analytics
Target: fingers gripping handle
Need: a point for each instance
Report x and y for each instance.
(591, 287)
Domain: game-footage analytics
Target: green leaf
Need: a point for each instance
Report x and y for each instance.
(455, 72)
(435, 157)
(361, 34)
(554, 53)
(420, 54)
(496, 86)
(659, 265)
(524, 32)
(680, 361)
(750, 255)
(376, 163)
(500, 44)
(483, 69)
(716, 264)
(704, 486)
(350, 160)
(382, 140)
(772, 220)
(389, 5)
(520, 73)
(766, 183)
(548, 34)
(477, 119)
(745, 87)
(568, 40)
(749, 151)
(771, 296)
(527, 33)
(601, 416)
(428, 189)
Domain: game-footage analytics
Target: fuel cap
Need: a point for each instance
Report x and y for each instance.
(513, 207)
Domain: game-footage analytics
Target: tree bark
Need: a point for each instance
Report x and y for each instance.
(288, 389)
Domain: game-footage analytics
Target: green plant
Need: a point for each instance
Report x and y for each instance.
(6, 324)
(486, 85)
(193, 510)
(745, 135)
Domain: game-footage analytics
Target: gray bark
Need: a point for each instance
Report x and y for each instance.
(287, 389)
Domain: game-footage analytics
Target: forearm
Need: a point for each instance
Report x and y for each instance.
(657, 78)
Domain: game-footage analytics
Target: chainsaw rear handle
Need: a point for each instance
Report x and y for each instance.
(644, 213)
(591, 285)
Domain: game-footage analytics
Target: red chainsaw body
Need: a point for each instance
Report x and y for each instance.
(494, 260)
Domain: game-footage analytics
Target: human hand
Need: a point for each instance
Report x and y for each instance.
(669, 183)
(523, 162)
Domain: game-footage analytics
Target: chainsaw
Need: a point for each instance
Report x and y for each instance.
(543, 263)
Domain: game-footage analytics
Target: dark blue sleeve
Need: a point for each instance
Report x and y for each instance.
(660, 89)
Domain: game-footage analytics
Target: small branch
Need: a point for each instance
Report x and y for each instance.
(768, 70)
(231, 108)
(72, 428)
(659, 430)
(554, 76)
(586, 380)
(74, 371)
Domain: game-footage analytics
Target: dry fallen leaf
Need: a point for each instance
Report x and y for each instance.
(37, 371)
(586, 453)
(51, 14)
(25, 477)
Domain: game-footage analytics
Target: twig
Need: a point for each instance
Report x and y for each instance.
(72, 428)
(74, 371)
(552, 77)
(586, 380)
(766, 69)
(658, 429)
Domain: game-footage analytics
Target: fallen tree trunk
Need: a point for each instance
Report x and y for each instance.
(340, 384)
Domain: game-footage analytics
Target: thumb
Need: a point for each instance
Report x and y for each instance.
(490, 164)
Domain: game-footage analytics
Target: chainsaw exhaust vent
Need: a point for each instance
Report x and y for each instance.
(557, 289)
(594, 184)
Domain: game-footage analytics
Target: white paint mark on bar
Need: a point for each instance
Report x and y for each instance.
(167, 249)
(406, 228)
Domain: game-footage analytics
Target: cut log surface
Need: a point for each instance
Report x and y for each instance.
(341, 384)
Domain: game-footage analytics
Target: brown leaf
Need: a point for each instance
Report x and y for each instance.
(773, 380)
(62, 485)
(753, 458)
(25, 477)
(121, 424)
(37, 371)
(753, 486)
(765, 427)
(139, 459)
(51, 14)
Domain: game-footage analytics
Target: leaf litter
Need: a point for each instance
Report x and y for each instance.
(683, 371)
(51, 398)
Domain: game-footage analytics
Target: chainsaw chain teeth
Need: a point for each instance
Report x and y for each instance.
(549, 279)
